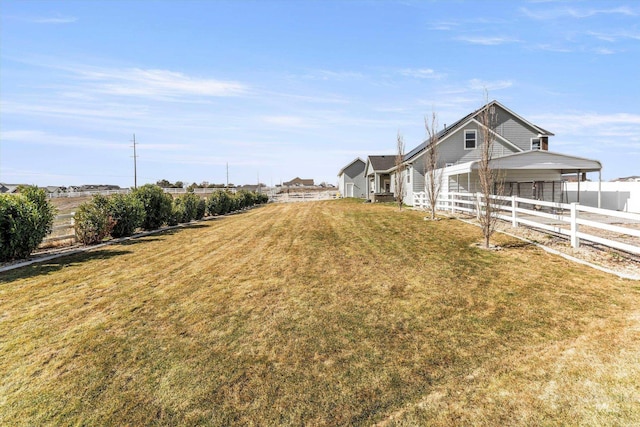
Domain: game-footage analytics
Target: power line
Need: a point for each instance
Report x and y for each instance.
(135, 166)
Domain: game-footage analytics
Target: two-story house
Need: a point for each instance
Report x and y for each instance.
(520, 152)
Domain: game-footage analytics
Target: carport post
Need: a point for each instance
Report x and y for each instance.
(599, 188)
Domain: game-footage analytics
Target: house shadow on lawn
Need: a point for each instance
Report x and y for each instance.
(57, 264)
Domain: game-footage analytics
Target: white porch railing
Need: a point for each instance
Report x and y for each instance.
(620, 230)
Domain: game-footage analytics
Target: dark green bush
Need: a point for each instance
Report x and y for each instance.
(92, 221)
(201, 209)
(177, 213)
(25, 220)
(46, 212)
(128, 213)
(189, 204)
(157, 206)
(219, 203)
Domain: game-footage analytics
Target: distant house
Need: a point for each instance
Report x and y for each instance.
(253, 188)
(351, 180)
(377, 173)
(299, 182)
(634, 178)
(53, 189)
(9, 188)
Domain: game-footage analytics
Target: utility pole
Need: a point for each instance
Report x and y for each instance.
(227, 175)
(135, 171)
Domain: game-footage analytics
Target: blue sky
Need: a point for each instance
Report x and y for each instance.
(300, 88)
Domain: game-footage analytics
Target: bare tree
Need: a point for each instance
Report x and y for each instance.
(399, 168)
(491, 179)
(433, 175)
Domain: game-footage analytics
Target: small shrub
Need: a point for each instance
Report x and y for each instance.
(128, 213)
(157, 206)
(92, 222)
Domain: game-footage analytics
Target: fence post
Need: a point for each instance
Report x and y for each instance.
(514, 214)
(575, 241)
(450, 198)
(479, 206)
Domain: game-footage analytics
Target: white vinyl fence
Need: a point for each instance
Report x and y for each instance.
(62, 229)
(302, 196)
(619, 196)
(88, 193)
(619, 230)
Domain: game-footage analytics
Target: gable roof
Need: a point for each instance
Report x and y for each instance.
(357, 159)
(472, 117)
(382, 163)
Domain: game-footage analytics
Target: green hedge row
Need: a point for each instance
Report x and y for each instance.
(149, 208)
(25, 220)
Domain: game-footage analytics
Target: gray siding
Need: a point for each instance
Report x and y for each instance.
(354, 174)
(514, 130)
(452, 149)
(417, 181)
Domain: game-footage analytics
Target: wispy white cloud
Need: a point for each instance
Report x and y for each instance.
(333, 75)
(614, 36)
(480, 85)
(158, 83)
(604, 51)
(421, 73)
(486, 40)
(56, 19)
(616, 128)
(37, 137)
(444, 26)
(552, 48)
(579, 120)
(289, 121)
(577, 13)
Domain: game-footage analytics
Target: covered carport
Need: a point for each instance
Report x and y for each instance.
(536, 166)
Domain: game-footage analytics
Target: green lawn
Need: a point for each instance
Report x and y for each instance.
(330, 313)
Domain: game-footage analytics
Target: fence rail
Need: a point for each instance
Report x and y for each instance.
(619, 230)
(62, 229)
(304, 196)
(88, 193)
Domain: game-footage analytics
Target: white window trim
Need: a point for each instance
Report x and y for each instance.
(539, 144)
(464, 138)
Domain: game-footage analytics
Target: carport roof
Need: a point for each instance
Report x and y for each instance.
(535, 160)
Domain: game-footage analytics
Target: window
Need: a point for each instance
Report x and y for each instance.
(536, 144)
(470, 139)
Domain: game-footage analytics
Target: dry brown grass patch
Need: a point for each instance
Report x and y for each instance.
(331, 313)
